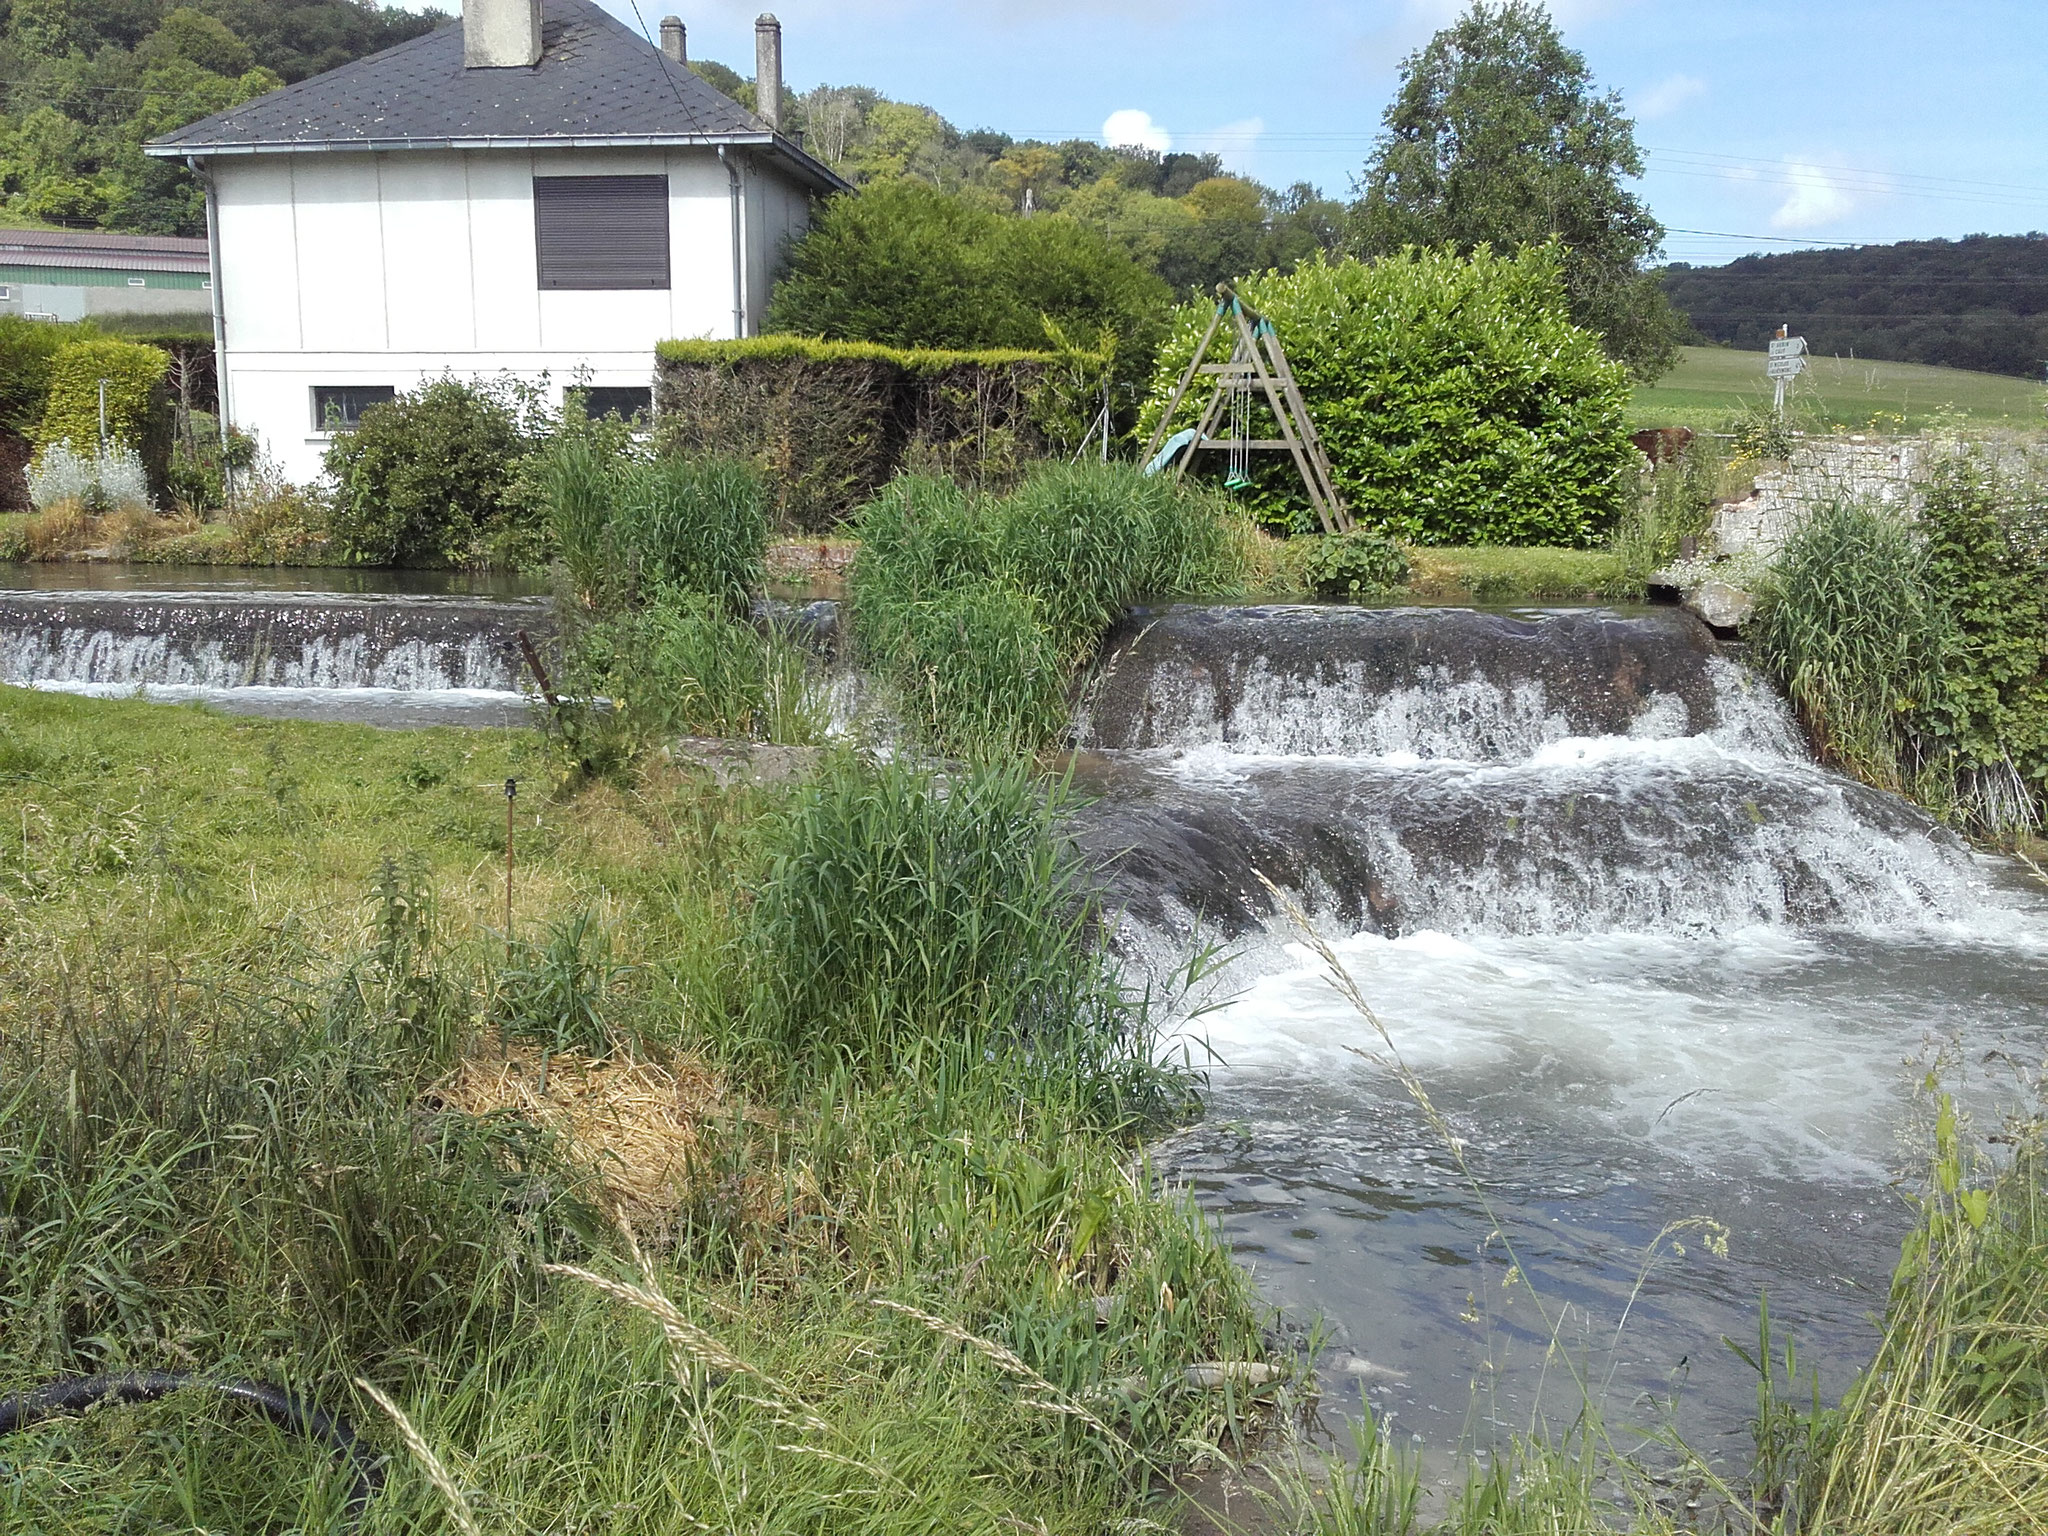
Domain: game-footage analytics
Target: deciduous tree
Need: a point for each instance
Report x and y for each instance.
(1499, 137)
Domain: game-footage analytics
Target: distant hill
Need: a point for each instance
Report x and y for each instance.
(83, 83)
(1980, 302)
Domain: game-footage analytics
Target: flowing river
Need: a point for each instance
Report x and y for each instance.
(1661, 977)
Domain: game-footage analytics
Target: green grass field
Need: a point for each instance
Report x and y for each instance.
(1710, 383)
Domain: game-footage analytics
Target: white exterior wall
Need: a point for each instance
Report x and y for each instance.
(392, 268)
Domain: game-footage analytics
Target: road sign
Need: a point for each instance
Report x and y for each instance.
(1788, 358)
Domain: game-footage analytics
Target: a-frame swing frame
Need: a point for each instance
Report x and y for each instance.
(1256, 353)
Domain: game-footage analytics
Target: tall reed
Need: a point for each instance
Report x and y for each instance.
(1850, 619)
(908, 923)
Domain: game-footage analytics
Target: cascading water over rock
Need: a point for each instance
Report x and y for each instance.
(1655, 966)
(1472, 771)
(398, 658)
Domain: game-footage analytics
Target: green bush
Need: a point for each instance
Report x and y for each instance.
(1987, 545)
(27, 350)
(907, 265)
(1357, 564)
(693, 525)
(1457, 401)
(138, 409)
(832, 422)
(200, 463)
(428, 479)
(1917, 653)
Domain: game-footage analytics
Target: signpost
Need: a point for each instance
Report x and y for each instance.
(1787, 362)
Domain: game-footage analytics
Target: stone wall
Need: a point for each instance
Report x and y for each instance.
(1821, 470)
(1885, 471)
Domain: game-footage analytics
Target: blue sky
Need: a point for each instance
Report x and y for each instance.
(1768, 123)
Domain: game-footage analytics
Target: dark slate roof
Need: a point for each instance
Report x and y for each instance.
(598, 83)
(97, 250)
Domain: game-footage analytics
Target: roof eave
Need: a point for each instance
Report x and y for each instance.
(821, 177)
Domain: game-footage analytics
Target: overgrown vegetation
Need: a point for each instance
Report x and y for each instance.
(1675, 504)
(978, 609)
(301, 1152)
(660, 560)
(1457, 401)
(831, 423)
(1917, 654)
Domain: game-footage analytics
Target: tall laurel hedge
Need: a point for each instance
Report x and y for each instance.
(1458, 402)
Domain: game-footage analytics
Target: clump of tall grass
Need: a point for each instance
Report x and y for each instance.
(980, 672)
(908, 924)
(1086, 540)
(979, 610)
(694, 525)
(1849, 618)
(1947, 1430)
(662, 558)
(683, 666)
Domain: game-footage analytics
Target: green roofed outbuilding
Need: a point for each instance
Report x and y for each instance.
(85, 274)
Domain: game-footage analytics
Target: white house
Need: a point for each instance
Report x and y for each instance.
(536, 190)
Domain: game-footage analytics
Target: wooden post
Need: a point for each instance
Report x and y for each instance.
(1165, 427)
(511, 799)
(1281, 414)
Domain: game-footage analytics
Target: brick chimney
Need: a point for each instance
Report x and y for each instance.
(500, 34)
(674, 41)
(768, 71)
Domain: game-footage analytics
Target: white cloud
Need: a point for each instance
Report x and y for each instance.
(1816, 199)
(1135, 129)
(1667, 96)
(1237, 143)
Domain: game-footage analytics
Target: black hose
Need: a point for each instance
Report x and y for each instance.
(75, 1394)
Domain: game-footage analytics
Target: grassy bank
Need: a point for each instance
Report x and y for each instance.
(278, 1099)
(1712, 383)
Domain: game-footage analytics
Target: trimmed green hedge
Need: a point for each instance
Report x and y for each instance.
(923, 362)
(831, 423)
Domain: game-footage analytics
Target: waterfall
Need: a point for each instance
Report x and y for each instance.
(1652, 962)
(408, 658)
(1472, 772)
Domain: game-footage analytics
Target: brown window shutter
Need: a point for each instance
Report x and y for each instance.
(601, 231)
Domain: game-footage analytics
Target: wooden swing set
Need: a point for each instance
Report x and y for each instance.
(1256, 359)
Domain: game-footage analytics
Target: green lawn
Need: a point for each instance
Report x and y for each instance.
(1711, 382)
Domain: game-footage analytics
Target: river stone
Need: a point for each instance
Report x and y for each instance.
(1721, 604)
(743, 762)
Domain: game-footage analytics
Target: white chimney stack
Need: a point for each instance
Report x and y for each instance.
(500, 34)
(674, 41)
(768, 71)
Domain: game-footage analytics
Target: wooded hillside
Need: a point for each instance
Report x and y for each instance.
(1980, 302)
(83, 83)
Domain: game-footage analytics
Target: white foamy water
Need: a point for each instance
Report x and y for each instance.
(1652, 963)
(1604, 1087)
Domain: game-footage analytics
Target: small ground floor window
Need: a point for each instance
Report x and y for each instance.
(340, 407)
(628, 402)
